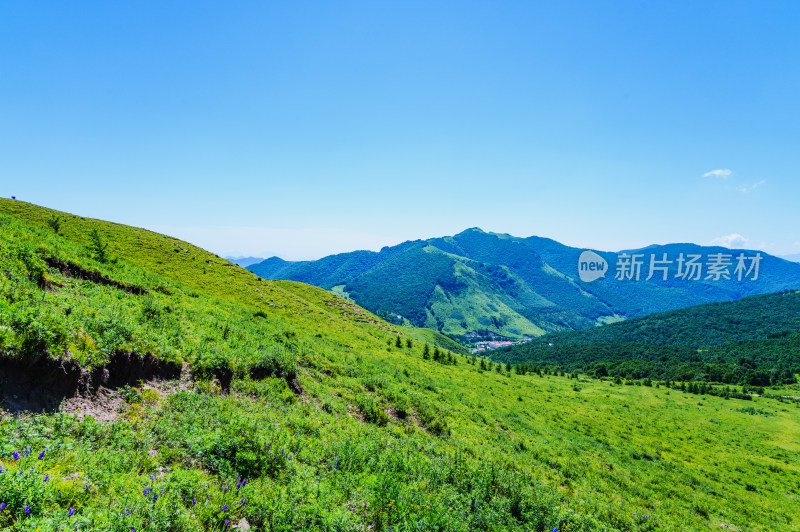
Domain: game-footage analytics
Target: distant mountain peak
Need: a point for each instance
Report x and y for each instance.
(483, 282)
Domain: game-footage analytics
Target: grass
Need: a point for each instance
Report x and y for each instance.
(379, 437)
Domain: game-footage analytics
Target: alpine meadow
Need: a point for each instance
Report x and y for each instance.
(359, 266)
(149, 385)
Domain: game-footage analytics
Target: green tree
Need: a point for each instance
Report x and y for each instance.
(55, 223)
(98, 247)
(426, 352)
(398, 343)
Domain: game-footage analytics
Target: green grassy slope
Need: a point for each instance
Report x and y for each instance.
(378, 436)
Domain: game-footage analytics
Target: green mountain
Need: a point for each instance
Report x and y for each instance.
(488, 282)
(146, 384)
(755, 340)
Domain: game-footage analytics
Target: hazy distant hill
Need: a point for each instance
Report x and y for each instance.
(244, 262)
(478, 281)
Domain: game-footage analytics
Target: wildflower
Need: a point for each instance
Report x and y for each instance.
(2, 506)
(46, 477)
(27, 509)
(15, 454)
(145, 491)
(127, 512)
(71, 512)
(194, 501)
(224, 507)
(41, 455)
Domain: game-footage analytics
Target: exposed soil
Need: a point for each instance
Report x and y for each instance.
(70, 269)
(46, 385)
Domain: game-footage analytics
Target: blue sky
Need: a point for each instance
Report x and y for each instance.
(308, 128)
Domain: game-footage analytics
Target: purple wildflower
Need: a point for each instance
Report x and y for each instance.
(27, 509)
(71, 512)
(15, 454)
(46, 477)
(2, 506)
(41, 455)
(224, 507)
(127, 512)
(194, 501)
(145, 491)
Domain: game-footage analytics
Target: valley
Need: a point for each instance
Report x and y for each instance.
(209, 398)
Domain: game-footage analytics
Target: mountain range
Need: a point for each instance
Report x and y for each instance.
(478, 283)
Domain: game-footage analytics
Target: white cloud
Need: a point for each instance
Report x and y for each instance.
(722, 173)
(750, 188)
(734, 240)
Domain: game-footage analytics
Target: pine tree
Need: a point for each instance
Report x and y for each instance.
(408, 343)
(98, 247)
(398, 343)
(426, 352)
